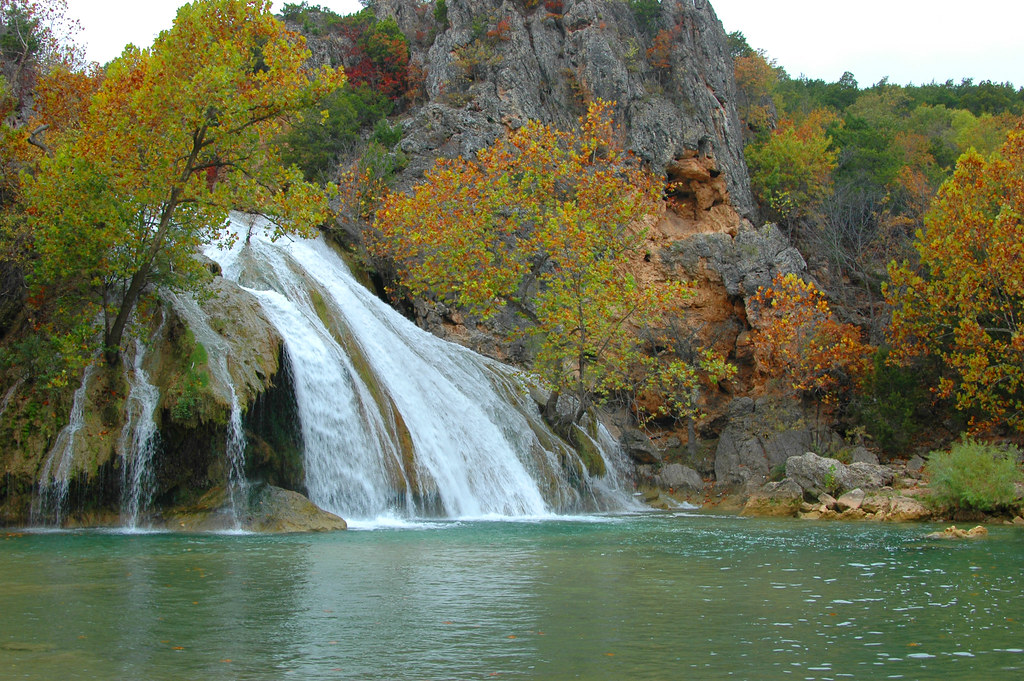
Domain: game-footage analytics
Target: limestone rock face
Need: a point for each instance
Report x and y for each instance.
(761, 435)
(679, 115)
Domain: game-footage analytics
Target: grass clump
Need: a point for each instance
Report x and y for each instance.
(974, 476)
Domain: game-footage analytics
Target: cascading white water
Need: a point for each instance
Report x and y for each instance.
(217, 351)
(395, 421)
(55, 478)
(139, 440)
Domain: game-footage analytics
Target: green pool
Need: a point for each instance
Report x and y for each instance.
(654, 596)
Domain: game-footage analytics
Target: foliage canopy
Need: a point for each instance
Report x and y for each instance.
(963, 304)
(176, 136)
(545, 223)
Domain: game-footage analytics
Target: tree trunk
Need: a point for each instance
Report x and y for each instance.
(112, 341)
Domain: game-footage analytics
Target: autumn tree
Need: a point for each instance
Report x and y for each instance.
(545, 223)
(177, 136)
(791, 168)
(800, 341)
(964, 303)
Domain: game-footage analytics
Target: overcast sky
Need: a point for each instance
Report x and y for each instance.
(914, 41)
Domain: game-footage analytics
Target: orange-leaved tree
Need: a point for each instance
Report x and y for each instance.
(547, 223)
(964, 303)
(799, 340)
(176, 136)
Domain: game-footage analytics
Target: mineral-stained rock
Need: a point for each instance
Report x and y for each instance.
(775, 499)
(278, 510)
(270, 509)
(953, 532)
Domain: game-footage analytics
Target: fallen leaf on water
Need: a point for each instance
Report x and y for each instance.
(226, 660)
(179, 647)
(610, 654)
(512, 636)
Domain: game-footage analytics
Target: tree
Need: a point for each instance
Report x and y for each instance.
(544, 223)
(964, 303)
(791, 170)
(176, 136)
(798, 339)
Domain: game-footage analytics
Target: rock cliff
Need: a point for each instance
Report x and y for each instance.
(494, 65)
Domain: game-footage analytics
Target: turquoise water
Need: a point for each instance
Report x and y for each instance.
(659, 596)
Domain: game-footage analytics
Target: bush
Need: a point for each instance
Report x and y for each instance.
(974, 476)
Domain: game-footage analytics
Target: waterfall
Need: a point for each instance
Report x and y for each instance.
(138, 441)
(55, 477)
(217, 351)
(394, 421)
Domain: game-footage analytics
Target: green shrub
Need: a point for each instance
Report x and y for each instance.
(974, 476)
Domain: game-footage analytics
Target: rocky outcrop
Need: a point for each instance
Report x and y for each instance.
(193, 369)
(546, 60)
(761, 435)
(775, 499)
(954, 532)
(817, 474)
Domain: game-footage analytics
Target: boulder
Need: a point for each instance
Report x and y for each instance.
(679, 478)
(852, 499)
(815, 474)
(862, 455)
(775, 499)
(270, 510)
(866, 476)
(827, 500)
(276, 510)
(915, 467)
(639, 447)
(818, 474)
(906, 509)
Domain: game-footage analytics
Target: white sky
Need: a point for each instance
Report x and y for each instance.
(914, 41)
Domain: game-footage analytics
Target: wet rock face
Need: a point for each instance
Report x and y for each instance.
(548, 59)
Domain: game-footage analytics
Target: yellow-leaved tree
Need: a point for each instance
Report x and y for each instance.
(547, 223)
(176, 137)
(964, 302)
